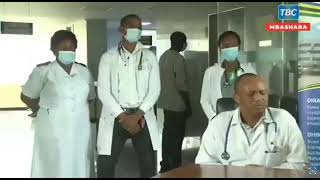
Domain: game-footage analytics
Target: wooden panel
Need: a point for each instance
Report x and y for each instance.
(217, 171)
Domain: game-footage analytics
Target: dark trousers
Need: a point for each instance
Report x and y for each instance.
(142, 146)
(172, 138)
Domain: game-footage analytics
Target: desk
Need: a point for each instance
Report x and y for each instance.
(220, 171)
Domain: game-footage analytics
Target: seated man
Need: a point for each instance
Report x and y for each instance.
(253, 134)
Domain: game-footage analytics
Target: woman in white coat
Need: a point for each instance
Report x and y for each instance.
(219, 79)
(58, 94)
(253, 134)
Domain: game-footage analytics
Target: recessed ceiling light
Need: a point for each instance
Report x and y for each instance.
(146, 23)
(265, 43)
(109, 9)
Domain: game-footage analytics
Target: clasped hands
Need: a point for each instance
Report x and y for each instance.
(133, 123)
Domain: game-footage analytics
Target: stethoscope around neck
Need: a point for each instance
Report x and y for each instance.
(120, 48)
(226, 80)
(226, 156)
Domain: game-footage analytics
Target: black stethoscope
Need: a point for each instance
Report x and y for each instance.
(226, 82)
(120, 48)
(225, 155)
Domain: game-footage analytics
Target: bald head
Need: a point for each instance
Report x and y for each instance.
(240, 80)
(251, 93)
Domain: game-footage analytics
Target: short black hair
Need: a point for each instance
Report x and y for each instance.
(239, 79)
(177, 39)
(60, 36)
(124, 21)
(226, 34)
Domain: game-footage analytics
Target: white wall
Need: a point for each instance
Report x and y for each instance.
(80, 30)
(19, 54)
(23, 52)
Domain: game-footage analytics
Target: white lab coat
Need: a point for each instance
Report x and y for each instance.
(211, 87)
(148, 88)
(288, 141)
(62, 126)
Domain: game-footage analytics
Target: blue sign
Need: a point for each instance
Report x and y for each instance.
(288, 12)
(309, 122)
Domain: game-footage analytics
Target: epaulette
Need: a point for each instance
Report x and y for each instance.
(44, 64)
(81, 64)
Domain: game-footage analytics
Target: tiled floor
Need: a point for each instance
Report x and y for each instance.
(16, 141)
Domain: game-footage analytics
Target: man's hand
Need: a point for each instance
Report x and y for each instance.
(134, 130)
(133, 123)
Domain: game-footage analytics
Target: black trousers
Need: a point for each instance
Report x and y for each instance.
(172, 138)
(142, 146)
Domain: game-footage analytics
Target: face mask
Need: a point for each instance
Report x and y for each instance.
(67, 57)
(230, 54)
(133, 35)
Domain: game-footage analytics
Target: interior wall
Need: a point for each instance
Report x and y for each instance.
(96, 43)
(79, 28)
(21, 53)
(197, 37)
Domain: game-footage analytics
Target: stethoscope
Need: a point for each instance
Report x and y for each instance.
(225, 155)
(227, 83)
(120, 48)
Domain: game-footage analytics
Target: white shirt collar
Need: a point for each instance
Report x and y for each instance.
(139, 46)
(74, 69)
(237, 119)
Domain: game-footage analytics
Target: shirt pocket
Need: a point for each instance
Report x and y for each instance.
(275, 157)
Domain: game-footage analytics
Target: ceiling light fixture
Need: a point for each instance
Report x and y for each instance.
(146, 23)
(109, 9)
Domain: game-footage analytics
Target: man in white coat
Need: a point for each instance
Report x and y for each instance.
(128, 86)
(218, 80)
(253, 134)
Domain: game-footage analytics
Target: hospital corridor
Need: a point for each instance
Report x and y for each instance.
(159, 89)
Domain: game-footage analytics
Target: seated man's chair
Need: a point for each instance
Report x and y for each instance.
(291, 105)
(274, 100)
(225, 104)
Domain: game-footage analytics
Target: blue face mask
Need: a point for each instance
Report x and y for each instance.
(230, 54)
(133, 35)
(67, 57)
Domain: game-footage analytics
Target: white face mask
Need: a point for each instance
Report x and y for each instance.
(67, 57)
(133, 35)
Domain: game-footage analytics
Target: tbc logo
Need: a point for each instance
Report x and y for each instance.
(288, 12)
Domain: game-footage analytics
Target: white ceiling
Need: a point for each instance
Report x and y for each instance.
(149, 11)
(165, 16)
